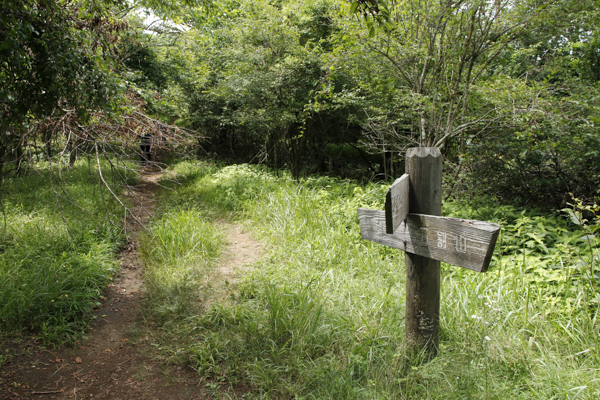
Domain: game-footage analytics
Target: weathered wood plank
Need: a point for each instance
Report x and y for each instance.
(465, 243)
(424, 167)
(396, 203)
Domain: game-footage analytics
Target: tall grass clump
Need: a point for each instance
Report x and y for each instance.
(178, 251)
(220, 191)
(322, 315)
(57, 252)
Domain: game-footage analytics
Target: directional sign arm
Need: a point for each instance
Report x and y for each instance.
(396, 203)
(465, 243)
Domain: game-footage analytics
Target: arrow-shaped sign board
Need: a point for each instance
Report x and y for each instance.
(396, 203)
(465, 243)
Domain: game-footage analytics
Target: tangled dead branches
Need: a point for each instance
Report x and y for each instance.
(125, 146)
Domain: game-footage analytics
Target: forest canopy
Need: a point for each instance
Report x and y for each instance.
(507, 89)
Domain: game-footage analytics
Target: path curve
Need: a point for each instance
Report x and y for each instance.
(111, 362)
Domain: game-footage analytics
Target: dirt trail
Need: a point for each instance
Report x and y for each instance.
(112, 362)
(241, 252)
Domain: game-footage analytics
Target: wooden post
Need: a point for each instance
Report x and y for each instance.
(412, 222)
(424, 167)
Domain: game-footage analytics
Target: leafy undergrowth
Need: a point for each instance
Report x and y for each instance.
(322, 316)
(57, 252)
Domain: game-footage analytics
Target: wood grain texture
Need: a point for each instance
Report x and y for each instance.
(396, 203)
(424, 167)
(465, 243)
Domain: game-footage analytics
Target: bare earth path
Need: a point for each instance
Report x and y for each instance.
(113, 362)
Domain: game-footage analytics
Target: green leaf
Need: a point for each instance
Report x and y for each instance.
(575, 218)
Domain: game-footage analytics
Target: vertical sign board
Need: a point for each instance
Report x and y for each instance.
(409, 223)
(396, 204)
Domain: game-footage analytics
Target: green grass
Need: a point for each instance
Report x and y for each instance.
(178, 251)
(58, 251)
(322, 315)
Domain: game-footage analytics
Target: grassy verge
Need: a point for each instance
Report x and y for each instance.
(57, 251)
(179, 250)
(322, 316)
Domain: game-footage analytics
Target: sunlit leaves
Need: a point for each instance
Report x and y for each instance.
(56, 53)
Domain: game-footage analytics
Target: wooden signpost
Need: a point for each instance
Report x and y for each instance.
(412, 222)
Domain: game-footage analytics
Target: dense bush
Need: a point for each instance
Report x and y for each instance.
(545, 150)
(55, 258)
(506, 90)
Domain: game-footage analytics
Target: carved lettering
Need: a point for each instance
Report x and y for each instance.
(465, 243)
(441, 239)
(424, 237)
(461, 243)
